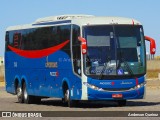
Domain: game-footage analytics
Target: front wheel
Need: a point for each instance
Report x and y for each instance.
(70, 103)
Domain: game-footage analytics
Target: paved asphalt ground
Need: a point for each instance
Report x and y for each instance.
(151, 103)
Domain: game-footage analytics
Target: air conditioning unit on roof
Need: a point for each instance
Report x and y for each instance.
(61, 17)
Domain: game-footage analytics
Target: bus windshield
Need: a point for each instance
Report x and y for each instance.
(114, 50)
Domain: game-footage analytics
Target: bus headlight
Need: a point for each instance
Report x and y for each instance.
(140, 85)
(92, 86)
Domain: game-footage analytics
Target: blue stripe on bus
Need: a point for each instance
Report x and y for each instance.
(51, 23)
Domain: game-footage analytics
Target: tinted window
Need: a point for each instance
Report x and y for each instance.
(38, 38)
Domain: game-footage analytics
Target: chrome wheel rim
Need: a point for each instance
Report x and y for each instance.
(19, 92)
(25, 94)
(66, 95)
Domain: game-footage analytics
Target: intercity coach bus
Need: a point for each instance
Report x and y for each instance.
(77, 57)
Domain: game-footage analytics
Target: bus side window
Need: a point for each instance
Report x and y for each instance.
(76, 51)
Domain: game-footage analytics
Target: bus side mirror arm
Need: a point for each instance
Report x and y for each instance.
(152, 44)
(83, 44)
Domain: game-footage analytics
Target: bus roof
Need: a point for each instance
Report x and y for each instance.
(76, 19)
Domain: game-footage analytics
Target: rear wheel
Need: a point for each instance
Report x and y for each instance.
(27, 98)
(20, 94)
(122, 103)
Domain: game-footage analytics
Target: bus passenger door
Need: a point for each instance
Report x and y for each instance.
(76, 50)
(77, 69)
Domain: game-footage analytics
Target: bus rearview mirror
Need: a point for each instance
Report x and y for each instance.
(83, 45)
(152, 44)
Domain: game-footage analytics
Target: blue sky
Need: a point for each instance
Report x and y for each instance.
(15, 12)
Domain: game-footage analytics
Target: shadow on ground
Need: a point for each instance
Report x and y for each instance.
(98, 104)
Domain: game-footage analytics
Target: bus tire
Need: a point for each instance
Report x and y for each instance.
(27, 98)
(70, 103)
(122, 103)
(20, 94)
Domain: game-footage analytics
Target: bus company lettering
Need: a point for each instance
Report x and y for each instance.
(51, 65)
(126, 83)
(54, 73)
(106, 83)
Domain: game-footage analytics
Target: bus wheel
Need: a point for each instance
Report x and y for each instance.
(20, 95)
(27, 98)
(122, 103)
(71, 103)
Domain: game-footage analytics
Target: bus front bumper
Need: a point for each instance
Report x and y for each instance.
(113, 95)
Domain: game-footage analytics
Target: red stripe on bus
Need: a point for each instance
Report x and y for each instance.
(38, 53)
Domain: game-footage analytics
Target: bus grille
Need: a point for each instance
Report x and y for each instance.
(116, 89)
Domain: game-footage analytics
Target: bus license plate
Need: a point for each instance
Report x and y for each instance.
(117, 96)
